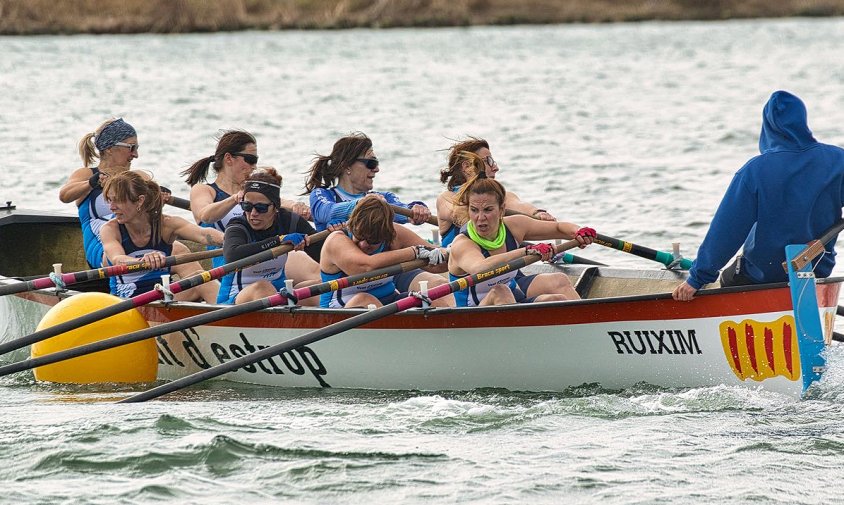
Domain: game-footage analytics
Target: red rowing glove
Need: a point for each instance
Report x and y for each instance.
(585, 236)
(543, 250)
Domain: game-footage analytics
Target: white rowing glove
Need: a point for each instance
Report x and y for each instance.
(435, 256)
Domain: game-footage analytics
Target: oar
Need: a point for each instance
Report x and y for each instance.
(180, 203)
(569, 259)
(341, 326)
(815, 247)
(660, 256)
(153, 295)
(210, 317)
(175, 201)
(101, 273)
(409, 213)
(663, 257)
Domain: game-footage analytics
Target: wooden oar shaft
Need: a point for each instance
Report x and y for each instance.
(339, 327)
(409, 213)
(358, 279)
(641, 251)
(151, 296)
(179, 203)
(816, 247)
(209, 317)
(71, 278)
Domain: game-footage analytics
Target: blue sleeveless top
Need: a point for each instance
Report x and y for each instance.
(136, 283)
(473, 296)
(94, 212)
(236, 211)
(381, 289)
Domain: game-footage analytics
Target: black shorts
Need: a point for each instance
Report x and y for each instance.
(733, 276)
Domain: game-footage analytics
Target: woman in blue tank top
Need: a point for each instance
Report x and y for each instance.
(264, 225)
(460, 169)
(139, 231)
(490, 239)
(373, 241)
(215, 204)
(115, 143)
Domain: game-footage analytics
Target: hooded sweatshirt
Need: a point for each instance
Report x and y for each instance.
(790, 194)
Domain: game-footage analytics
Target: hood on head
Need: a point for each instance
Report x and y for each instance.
(784, 124)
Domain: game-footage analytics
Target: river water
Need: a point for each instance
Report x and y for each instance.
(634, 129)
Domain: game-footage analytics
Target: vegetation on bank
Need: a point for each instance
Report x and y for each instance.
(25, 17)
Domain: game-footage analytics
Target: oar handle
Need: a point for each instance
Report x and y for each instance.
(643, 252)
(71, 278)
(339, 327)
(409, 213)
(815, 247)
(177, 202)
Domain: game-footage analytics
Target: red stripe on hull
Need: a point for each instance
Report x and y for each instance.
(591, 311)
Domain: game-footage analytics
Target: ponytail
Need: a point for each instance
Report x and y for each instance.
(320, 175)
(326, 170)
(87, 151)
(230, 141)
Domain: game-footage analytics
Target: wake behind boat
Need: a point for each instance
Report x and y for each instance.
(625, 331)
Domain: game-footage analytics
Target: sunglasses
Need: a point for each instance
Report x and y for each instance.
(262, 208)
(250, 159)
(490, 161)
(132, 147)
(370, 163)
(368, 242)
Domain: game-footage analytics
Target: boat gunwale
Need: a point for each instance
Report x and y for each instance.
(294, 309)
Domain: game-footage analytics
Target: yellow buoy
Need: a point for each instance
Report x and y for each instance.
(136, 362)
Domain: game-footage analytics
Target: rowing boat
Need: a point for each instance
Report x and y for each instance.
(626, 331)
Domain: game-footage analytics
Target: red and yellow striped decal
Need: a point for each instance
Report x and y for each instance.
(761, 350)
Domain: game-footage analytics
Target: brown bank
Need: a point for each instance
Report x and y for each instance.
(30, 17)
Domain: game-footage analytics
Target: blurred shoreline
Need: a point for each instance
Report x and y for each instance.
(35, 17)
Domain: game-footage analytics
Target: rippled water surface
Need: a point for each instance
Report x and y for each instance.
(633, 129)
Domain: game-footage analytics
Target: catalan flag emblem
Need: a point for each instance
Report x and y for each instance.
(760, 351)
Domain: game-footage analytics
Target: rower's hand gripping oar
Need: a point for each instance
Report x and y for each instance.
(413, 300)
(151, 296)
(409, 214)
(175, 201)
(101, 273)
(213, 316)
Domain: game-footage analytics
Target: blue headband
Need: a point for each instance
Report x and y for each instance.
(113, 133)
(271, 191)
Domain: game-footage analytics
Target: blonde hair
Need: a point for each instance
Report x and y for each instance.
(87, 150)
(480, 184)
(453, 174)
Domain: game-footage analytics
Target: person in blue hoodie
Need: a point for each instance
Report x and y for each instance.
(790, 194)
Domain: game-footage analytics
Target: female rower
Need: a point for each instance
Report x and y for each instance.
(491, 239)
(460, 169)
(215, 204)
(338, 181)
(264, 225)
(115, 143)
(373, 241)
(140, 231)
